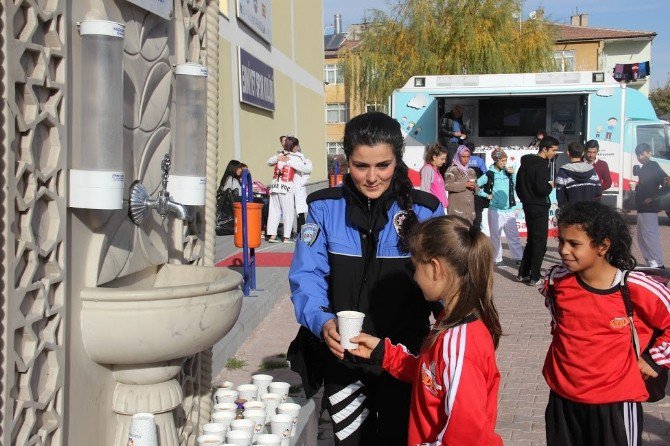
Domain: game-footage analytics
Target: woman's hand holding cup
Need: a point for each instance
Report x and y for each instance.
(332, 338)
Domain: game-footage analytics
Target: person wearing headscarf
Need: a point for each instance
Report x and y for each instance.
(461, 183)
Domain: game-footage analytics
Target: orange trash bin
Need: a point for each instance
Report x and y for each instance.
(334, 180)
(254, 212)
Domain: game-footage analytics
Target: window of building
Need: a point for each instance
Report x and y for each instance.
(335, 148)
(336, 113)
(564, 60)
(375, 107)
(333, 74)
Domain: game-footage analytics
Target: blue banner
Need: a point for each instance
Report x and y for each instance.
(257, 85)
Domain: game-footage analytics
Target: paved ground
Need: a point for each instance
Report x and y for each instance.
(523, 393)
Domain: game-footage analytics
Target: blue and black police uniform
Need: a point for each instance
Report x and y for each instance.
(349, 258)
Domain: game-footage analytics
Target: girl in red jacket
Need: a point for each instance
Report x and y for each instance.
(592, 369)
(456, 379)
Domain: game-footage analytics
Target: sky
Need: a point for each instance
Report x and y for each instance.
(640, 15)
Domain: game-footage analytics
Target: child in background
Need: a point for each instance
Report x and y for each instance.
(456, 378)
(431, 178)
(595, 378)
(647, 204)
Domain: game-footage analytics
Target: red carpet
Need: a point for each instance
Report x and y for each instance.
(270, 259)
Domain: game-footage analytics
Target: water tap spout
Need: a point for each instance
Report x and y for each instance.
(164, 204)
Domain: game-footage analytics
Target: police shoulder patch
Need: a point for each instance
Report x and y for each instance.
(308, 233)
(398, 220)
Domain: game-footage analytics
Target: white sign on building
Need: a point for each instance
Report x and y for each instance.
(162, 8)
(257, 15)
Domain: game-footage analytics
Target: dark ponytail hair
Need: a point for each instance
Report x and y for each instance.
(468, 254)
(371, 129)
(601, 223)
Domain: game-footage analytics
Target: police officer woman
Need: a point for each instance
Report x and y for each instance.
(352, 256)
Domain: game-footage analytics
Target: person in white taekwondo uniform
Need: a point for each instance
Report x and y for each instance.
(289, 166)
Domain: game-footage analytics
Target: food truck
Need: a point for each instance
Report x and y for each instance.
(506, 110)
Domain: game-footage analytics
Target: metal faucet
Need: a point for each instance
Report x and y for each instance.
(141, 202)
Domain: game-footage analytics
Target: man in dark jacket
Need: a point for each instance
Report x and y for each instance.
(452, 131)
(533, 186)
(577, 180)
(651, 179)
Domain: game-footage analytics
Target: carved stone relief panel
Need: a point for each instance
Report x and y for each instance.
(35, 167)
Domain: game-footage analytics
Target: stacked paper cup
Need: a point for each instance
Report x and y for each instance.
(217, 429)
(248, 392)
(281, 425)
(262, 382)
(271, 400)
(225, 396)
(209, 440)
(142, 431)
(268, 440)
(280, 388)
(293, 410)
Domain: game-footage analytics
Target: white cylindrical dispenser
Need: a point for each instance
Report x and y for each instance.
(96, 177)
(187, 174)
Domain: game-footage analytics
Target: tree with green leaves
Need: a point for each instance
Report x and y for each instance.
(660, 99)
(433, 37)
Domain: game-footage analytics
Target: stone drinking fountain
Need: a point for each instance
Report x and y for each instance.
(143, 326)
(143, 322)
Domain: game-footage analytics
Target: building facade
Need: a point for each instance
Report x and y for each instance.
(579, 47)
(250, 133)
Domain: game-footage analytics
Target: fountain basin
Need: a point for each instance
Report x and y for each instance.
(159, 314)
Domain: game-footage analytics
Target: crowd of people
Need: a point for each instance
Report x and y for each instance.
(285, 199)
(378, 246)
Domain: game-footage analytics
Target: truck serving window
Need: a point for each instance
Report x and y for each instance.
(657, 138)
(514, 116)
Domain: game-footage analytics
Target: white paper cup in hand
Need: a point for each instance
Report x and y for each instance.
(142, 430)
(248, 392)
(349, 324)
(239, 438)
(262, 381)
(225, 396)
(268, 440)
(217, 429)
(281, 424)
(209, 440)
(280, 388)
